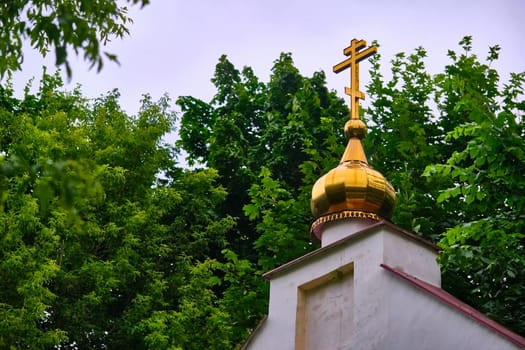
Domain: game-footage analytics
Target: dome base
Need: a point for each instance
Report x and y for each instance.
(316, 229)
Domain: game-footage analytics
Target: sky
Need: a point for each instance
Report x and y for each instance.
(175, 44)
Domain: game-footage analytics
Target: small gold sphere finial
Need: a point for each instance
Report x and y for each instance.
(352, 190)
(355, 128)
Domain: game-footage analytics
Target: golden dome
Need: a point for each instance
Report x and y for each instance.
(353, 189)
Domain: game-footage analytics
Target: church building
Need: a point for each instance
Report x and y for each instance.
(371, 285)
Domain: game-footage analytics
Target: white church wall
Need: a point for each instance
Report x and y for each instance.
(374, 309)
(335, 230)
(325, 311)
(365, 255)
(415, 259)
(400, 250)
(429, 324)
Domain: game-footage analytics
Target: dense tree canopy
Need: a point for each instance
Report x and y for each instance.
(100, 231)
(451, 144)
(61, 25)
(269, 142)
(457, 159)
(107, 243)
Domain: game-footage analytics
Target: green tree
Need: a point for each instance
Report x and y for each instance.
(269, 143)
(279, 135)
(451, 144)
(404, 138)
(105, 242)
(59, 26)
(102, 236)
(483, 255)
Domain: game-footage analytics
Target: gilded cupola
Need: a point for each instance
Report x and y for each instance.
(352, 189)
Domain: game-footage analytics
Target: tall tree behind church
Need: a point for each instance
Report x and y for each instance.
(434, 136)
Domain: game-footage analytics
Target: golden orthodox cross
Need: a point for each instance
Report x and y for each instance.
(355, 56)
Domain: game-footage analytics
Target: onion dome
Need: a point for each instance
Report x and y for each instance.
(353, 189)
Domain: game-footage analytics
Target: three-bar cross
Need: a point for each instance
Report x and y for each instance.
(355, 56)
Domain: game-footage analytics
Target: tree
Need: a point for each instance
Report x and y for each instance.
(456, 158)
(451, 144)
(483, 253)
(61, 25)
(102, 235)
(105, 242)
(404, 138)
(269, 142)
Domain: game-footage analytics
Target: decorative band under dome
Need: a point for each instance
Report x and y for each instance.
(316, 226)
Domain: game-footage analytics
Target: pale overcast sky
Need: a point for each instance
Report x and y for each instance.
(175, 44)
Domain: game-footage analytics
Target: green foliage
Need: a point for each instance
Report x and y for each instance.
(283, 222)
(269, 142)
(484, 266)
(452, 145)
(59, 26)
(404, 137)
(106, 243)
(485, 250)
(103, 240)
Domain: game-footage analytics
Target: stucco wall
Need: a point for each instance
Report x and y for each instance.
(365, 253)
(280, 327)
(429, 324)
(387, 313)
